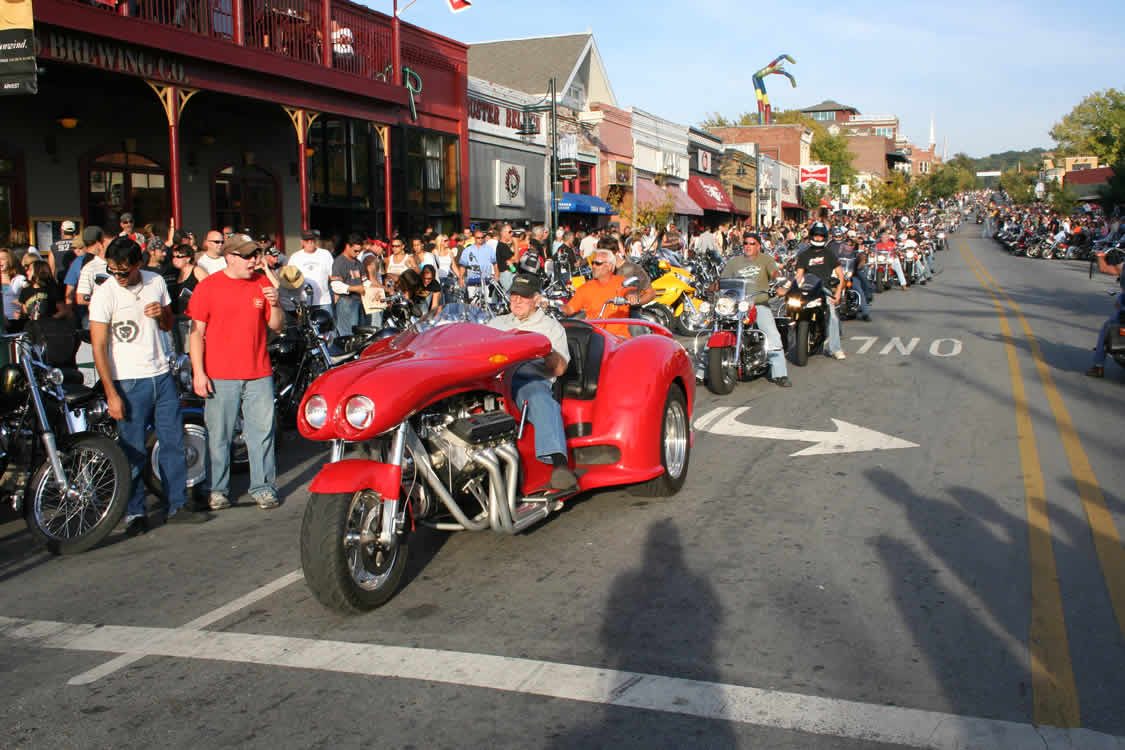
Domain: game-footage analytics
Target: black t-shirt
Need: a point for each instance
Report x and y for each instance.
(819, 261)
(504, 255)
(41, 302)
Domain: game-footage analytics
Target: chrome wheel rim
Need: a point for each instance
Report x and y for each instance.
(369, 564)
(195, 454)
(93, 485)
(675, 439)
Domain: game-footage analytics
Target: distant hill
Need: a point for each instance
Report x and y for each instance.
(1009, 160)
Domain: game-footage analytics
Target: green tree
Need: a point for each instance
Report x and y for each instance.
(833, 150)
(1095, 127)
(811, 195)
(1019, 185)
(1061, 198)
(890, 195)
(717, 120)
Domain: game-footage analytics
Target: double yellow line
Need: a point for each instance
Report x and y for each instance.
(1055, 693)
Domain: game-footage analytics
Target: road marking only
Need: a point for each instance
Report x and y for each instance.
(937, 348)
(736, 703)
(1055, 693)
(848, 438)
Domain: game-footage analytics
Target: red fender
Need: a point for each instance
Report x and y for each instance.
(355, 474)
(719, 339)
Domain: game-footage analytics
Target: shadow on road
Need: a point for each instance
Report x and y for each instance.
(661, 617)
(971, 613)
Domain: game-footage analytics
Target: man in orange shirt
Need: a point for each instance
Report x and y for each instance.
(600, 290)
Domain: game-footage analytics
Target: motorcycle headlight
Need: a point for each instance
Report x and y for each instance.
(794, 302)
(316, 411)
(359, 411)
(704, 308)
(724, 306)
(814, 303)
(743, 306)
(54, 376)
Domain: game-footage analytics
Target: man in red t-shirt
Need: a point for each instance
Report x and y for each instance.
(230, 311)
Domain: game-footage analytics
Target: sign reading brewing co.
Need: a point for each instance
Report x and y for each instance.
(17, 48)
(107, 55)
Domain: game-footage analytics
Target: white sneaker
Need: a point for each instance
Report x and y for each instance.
(218, 501)
(840, 355)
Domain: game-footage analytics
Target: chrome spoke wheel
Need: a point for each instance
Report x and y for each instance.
(63, 516)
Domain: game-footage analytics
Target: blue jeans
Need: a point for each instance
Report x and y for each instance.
(1099, 351)
(861, 281)
(543, 412)
(349, 308)
(833, 344)
(897, 266)
(774, 351)
(153, 401)
(255, 400)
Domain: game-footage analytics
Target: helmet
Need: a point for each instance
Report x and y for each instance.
(322, 321)
(902, 236)
(838, 232)
(818, 230)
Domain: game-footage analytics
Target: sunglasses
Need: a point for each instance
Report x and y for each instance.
(120, 274)
(249, 256)
(751, 243)
(181, 255)
(598, 263)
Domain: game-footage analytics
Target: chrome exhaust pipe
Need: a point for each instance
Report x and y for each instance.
(422, 463)
(498, 515)
(532, 511)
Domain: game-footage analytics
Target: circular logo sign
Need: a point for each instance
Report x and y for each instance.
(512, 183)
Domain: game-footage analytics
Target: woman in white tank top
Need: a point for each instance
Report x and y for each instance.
(396, 263)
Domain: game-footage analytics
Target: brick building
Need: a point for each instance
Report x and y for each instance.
(791, 144)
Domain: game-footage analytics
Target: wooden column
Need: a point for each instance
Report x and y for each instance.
(301, 120)
(173, 99)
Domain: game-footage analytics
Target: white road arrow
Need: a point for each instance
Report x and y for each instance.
(848, 438)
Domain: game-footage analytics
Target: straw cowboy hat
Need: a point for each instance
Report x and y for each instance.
(291, 277)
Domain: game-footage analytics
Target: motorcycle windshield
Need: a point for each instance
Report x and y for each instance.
(448, 314)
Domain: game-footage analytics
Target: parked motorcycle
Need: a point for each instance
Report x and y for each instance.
(453, 451)
(298, 355)
(70, 482)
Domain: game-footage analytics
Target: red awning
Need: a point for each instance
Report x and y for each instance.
(685, 206)
(648, 192)
(787, 204)
(709, 194)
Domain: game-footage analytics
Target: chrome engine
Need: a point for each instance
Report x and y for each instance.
(466, 455)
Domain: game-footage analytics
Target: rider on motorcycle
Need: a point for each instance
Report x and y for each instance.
(888, 245)
(849, 248)
(599, 292)
(819, 260)
(531, 385)
(760, 270)
(927, 266)
(1097, 369)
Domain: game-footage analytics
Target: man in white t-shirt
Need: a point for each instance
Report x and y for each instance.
(316, 266)
(93, 273)
(127, 315)
(212, 260)
(589, 243)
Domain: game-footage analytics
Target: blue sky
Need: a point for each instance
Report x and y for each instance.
(995, 76)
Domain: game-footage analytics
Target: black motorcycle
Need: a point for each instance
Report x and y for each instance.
(70, 481)
(807, 305)
(299, 355)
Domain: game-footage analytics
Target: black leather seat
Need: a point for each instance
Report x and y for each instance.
(586, 347)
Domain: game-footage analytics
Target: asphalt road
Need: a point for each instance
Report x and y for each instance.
(952, 594)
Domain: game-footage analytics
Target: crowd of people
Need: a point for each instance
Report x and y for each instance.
(147, 293)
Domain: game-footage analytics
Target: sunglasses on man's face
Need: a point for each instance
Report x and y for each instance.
(181, 255)
(120, 274)
(249, 256)
(598, 263)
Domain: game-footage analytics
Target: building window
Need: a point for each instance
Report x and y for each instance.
(823, 116)
(12, 211)
(585, 183)
(433, 178)
(340, 162)
(122, 182)
(888, 132)
(246, 198)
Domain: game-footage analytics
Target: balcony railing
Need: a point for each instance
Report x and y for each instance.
(358, 40)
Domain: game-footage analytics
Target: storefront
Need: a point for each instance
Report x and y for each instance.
(507, 155)
(660, 157)
(769, 191)
(613, 131)
(705, 190)
(790, 202)
(227, 131)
